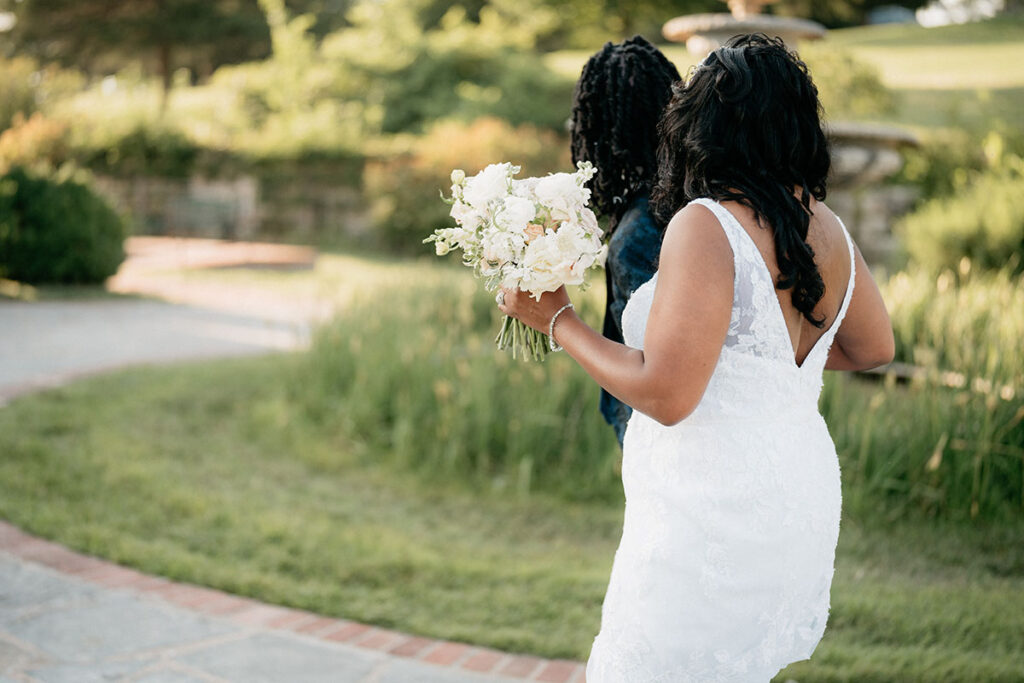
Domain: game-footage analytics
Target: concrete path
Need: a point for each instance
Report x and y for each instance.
(46, 343)
(69, 618)
(66, 617)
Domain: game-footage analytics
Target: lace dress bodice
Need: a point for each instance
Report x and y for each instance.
(757, 342)
(732, 515)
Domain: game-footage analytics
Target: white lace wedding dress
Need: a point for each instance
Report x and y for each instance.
(732, 516)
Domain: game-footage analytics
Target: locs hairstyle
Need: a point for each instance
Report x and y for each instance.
(747, 127)
(616, 107)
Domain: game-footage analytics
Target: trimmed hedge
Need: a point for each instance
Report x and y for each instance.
(55, 230)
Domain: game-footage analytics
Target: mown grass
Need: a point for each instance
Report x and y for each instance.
(986, 54)
(212, 473)
(965, 75)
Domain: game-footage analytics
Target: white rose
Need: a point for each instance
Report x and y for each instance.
(524, 188)
(546, 267)
(486, 186)
(495, 251)
(466, 216)
(515, 214)
(561, 194)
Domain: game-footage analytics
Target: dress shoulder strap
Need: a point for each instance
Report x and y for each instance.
(853, 276)
(725, 219)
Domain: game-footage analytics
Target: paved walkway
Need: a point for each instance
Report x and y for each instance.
(69, 617)
(45, 343)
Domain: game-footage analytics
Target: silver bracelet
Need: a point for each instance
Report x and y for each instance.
(552, 344)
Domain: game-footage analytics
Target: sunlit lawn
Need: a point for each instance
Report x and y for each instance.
(943, 76)
(987, 54)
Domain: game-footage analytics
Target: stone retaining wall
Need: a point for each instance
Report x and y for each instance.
(315, 211)
(241, 208)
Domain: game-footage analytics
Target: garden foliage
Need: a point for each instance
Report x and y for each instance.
(404, 184)
(982, 222)
(26, 87)
(56, 230)
(849, 88)
(36, 140)
(414, 380)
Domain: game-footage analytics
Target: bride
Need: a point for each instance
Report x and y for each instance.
(731, 478)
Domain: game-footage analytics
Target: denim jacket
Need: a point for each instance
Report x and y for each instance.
(632, 257)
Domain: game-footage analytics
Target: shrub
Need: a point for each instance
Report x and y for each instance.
(55, 230)
(948, 158)
(984, 223)
(25, 87)
(17, 96)
(37, 139)
(146, 149)
(403, 187)
(464, 83)
(848, 87)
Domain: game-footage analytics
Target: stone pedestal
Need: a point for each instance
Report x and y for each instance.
(703, 33)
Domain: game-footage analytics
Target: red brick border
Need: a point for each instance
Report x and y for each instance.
(252, 613)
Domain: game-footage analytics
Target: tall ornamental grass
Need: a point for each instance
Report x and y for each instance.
(412, 377)
(962, 321)
(950, 441)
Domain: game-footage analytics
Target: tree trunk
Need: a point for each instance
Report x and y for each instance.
(166, 75)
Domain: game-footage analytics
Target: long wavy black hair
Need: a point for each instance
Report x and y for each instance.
(618, 101)
(747, 127)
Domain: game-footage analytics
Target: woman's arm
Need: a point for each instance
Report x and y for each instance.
(864, 339)
(685, 330)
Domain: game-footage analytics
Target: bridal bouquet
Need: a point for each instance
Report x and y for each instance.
(535, 234)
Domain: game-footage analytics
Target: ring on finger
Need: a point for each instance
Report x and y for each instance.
(500, 298)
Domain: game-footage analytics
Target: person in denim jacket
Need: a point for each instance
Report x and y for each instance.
(617, 103)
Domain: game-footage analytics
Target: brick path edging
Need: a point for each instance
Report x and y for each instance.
(252, 613)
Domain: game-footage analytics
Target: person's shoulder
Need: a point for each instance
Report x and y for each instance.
(694, 233)
(695, 220)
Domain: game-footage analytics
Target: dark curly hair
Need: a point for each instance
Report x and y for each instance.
(616, 107)
(747, 127)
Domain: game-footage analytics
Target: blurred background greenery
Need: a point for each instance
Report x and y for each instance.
(402, 471)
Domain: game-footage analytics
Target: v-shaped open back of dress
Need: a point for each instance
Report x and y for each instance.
(732, 516)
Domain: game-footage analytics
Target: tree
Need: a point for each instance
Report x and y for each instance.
(162, 34)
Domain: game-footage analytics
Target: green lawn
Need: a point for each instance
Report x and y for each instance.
(205, 473)
(943, 76)
(18, 291)
(987, 54)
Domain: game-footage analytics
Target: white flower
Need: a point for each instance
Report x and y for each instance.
(466, 216)
(500, 247)
(515, 213)
(561, 194)
(536, 234)
(589, 221)
(488, 185)
(524, 188)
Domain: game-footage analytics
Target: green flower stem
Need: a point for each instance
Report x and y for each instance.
(524, 342)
